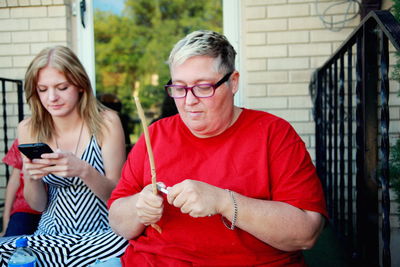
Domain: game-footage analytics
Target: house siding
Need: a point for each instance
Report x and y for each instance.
(284, 41)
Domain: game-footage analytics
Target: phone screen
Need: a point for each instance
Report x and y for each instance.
(34, 150)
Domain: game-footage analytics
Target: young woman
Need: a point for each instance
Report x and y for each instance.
(71, 185)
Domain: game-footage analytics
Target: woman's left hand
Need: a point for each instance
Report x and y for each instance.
(198, 199)
(64, 164)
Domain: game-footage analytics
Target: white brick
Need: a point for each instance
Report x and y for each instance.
(311, 151)
(394, 112)
(12, 3)
(287, 11)
(317, 62)
(37, 47)
(339, 19)
(394, 101)
(59, 2)
(4, 13)
(287, 63)
(36, 2)
(22, 61)
(290, 89)
(298, 115)
(13, 73)
(266, 25)
(58, 35)
(3, 3)
(255, 13)
(288, 37)
(256, 65)
(14, 25)
(255, 39)
(5, 62)
(28, 12)
(267, 77)
(305, 23)
(329, 36)
(309, 50)
(333, 7)
(312, 141)
(47, 2)
(5, 37)
(15, 49)
(392, 59)
(335, 46)
(24, 2)
(300, 102)
(12, 97)
(48, 23)
(57, 11)
(394, 128)
(300, 76)
(267, 102)
(394, 86)
(267, 51)
(256, 90)
(29, 37)
(304, 127)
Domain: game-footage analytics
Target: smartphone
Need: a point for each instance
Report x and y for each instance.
(34, 150)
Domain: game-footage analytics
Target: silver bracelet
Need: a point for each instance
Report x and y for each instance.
(235, 212)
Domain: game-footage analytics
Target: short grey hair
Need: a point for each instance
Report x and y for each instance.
(204, 43)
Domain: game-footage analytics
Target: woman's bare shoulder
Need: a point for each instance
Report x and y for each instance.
(24, 131)
(24, 125)
(110, 117)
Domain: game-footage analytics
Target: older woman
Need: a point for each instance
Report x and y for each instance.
(242, 190)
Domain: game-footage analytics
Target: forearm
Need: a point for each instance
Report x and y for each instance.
(7, 209)
(9, 201)
(6, 214)
(98, 183)
(35, 194)
(278, 224)
(123, 218)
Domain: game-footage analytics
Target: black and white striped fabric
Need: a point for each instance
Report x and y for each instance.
(73, 230)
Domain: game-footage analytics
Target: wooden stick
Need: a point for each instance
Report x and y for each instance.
(148, 145)
(150, 152)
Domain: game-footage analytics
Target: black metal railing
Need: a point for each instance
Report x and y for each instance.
(4, 84)
(354, 169)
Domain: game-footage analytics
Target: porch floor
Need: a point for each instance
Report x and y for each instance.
(327, 252)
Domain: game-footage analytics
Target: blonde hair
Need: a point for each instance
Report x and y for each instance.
(64, 60)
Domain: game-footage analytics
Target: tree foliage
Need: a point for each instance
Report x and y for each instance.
(132, 49)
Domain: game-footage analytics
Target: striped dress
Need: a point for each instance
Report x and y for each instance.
(74, 229)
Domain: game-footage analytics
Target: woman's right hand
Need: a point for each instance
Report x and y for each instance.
(32, 170)
(149, 207)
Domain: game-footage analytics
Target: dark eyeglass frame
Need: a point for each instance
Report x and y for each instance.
(187, 88)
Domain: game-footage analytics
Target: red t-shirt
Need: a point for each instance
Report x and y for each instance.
(13, 158)
(260, 156)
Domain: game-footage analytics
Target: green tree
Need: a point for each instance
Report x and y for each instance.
(131, 49)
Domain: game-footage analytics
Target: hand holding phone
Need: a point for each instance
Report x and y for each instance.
(34, 150)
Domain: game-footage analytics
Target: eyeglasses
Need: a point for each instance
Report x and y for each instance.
(198, 90)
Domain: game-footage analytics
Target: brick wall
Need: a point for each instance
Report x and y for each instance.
(26, 27)
(285, 41)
